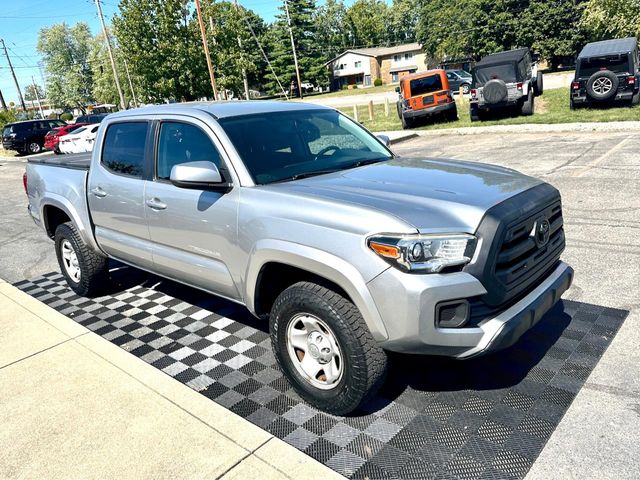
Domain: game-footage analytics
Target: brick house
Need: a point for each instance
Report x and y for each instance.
(360, 67)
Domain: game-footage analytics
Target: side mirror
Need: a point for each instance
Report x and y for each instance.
(200, 175)
(384, 139)
(397, 89)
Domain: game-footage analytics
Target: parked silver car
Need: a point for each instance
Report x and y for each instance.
(311, 222)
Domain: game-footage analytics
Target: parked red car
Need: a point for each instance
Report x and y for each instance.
(52, 138)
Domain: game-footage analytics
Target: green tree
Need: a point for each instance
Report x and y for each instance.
(310, 58)
(104, 87)
(612, 18)
(331, 36)
(553, 29)
(30, 92)
(161, 42)
(402, 21)
(366, 23)
(444, 28)
(65, 52)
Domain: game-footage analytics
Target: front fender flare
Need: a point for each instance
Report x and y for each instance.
(318, 262)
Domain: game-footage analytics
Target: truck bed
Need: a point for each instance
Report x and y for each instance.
(78, 161)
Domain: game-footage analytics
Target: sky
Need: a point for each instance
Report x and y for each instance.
(20, 21)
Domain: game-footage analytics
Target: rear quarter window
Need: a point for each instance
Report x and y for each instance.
(123, 149)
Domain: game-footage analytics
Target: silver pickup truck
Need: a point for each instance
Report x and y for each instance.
(300, 214)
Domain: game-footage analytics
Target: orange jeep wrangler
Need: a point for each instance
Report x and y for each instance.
(423, 95)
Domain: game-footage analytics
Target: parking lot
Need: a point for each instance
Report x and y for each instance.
(598, 175)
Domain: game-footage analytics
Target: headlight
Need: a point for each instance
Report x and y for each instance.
(424, 253)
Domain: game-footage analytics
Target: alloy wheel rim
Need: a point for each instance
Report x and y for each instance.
(34, 147)
(70, 261)
(314, 351)
(602, 86)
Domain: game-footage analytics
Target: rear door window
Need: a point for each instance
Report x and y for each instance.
(123, 150)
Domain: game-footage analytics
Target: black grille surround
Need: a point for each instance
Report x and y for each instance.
(511, 261)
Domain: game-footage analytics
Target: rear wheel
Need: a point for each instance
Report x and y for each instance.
(527, 106)
(635, 100)
(325, 349)
(33, 147)
(466, 88)
(452, 115)
(85, 271)
(406, 122)
(474, 114)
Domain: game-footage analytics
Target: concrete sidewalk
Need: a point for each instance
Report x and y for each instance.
(73, 405)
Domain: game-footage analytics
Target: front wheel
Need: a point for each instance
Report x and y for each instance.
(325, 349)
(85, 271)
(406, 123)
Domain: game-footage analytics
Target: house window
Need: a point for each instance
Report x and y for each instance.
(394, 77)
(408, 56)
(358, 64)
(397, 58)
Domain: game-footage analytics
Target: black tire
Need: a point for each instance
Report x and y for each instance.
(538, 85)
(94, 268)
(527, 105)
(635, 100)
(364, 365)
(474, 113)
(452, 115)
(602, 85)
(33, 147)
(572, 105)
(406, 122)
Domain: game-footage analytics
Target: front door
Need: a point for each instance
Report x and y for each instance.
(116, 193)
(192, 231)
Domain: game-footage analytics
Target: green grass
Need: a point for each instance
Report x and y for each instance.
(355, 91)
(551, 107)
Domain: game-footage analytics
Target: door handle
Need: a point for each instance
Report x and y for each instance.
(99, 192)
(156, 204)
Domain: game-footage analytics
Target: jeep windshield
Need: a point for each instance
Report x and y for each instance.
(283, 146)
(505, 72)
(421, 86)
(616, 64)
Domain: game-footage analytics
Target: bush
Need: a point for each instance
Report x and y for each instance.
(344, 87)
(7, 117)
(66, 116)
(377, 82)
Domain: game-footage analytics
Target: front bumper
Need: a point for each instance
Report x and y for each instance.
(429, 111)
(407, 305)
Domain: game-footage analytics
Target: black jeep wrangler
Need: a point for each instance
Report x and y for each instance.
(607, 72)
(505, 80)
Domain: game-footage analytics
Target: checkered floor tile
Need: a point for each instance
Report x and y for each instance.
(434, 418)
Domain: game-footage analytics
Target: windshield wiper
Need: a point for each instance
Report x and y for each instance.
(299, 176)
(369, 161)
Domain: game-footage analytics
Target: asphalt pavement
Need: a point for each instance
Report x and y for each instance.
(598, 175)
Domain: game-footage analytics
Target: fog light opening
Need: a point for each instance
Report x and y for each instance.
(452, 314)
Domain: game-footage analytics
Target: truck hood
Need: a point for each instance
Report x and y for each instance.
(432, 195)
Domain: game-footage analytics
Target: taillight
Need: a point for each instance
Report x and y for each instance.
(631, 80)
(24, 181)
(474, 92)
(519, 86)
(575, 85)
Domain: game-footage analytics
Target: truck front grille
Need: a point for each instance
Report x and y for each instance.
(515, 257)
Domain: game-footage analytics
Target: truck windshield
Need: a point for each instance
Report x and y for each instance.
(617, 64)
(505, 72)
(423, 85)
(281, 146)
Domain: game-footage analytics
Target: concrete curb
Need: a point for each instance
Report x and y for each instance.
(263, 452)
(537, 128)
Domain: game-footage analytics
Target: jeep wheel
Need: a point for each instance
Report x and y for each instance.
(451, 115)
(572, 104)
(538, 85)
(406, 123)
(495, 91)
(33, 147)
(466, 88)
(602, 85)
(325, 349)
(635, 100)
(474, 114)
(86, 272)
(527, 105)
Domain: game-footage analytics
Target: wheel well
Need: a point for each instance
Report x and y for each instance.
(53, 217)
(275, 277)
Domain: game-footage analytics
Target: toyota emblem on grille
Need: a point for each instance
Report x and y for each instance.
(540, 232)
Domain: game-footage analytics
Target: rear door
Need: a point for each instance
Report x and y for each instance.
(194, 232)
(116, 192)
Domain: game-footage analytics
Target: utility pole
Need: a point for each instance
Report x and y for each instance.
(14, 76)
(35, 90)
(212, 77)
(244, 71)
(293, 47)
(113, 62)
(133, 94)
(4, 105)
